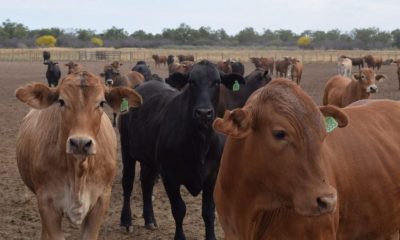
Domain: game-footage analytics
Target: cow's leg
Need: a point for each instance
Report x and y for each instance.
(178, 207)
(128, 176)
(147, 178)
(208, 208)
(94, 219)
(51, 219)
(114, 122)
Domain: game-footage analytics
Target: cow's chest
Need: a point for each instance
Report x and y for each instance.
(75, 205)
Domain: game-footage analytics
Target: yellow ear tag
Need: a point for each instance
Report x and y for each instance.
(124, 105)
(236, 86)
(331, 124)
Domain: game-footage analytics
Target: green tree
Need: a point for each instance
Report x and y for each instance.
(46, 41)
(115, 34)
(247, 36)
(333, 35)
(85, 34)
(396, 38)
(318, 36)
(285, 35)
(14, 30)
(364, 35)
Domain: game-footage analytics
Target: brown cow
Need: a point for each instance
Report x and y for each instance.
(296, 70)
(182, 58)
(281, 67)
(158, 60)
(73, 67)
(341, 91)
(67, 150)
(398, 70)
(263, 62)
(280, 168)
(373, 61)
(225, 66)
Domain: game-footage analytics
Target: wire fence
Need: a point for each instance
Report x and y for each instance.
(133, 55)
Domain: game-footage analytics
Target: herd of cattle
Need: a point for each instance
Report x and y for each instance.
(273, 163)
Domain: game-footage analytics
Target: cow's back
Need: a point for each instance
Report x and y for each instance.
(40, 155)
(143, 123)
(363, 164)
(335, 89)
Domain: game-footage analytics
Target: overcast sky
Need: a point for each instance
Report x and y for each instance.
(234, 15)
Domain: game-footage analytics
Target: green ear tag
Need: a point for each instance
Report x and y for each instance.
(124, 105)
(331, 124)
(236, 86)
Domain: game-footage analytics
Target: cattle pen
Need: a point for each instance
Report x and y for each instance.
(136, 54)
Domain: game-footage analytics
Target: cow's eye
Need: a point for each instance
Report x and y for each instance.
(61, 102)
(279, 134)
(102, 103)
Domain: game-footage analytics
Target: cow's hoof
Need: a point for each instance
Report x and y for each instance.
(127, 229)
(151, 226)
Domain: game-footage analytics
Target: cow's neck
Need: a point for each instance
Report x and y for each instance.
(356, 91)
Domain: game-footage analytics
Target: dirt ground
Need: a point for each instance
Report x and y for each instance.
(19, 217)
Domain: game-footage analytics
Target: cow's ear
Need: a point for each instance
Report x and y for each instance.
(236, 123)
(122, 98)
(229, 79)
(329, 112)
(37, 95)
(380, 77)
(177, 80)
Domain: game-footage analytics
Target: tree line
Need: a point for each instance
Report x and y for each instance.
(17, 35)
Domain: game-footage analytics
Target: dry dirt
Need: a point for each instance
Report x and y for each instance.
(19, 218)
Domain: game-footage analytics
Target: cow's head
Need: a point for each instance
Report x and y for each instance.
(109, 73)
(72, 67)
(280, 132)
(79, 99)
(201, 86)
(50, 65)
(367, 80)
(46, 56)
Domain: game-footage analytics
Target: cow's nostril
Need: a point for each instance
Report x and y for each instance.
(87, 144)
(74, 142)
(327, 203)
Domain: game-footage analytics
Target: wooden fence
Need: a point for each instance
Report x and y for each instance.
(133, 55)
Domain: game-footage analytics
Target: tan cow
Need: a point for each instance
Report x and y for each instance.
(158, 60)
(341, 91)
(398, 70)
(73, 67)
(296, 70)
(67, 149)
(280, 168)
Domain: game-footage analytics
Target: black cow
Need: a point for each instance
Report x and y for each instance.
(46, 56)
(230, 99)
(171, 133)
(53, 72)
(144, 69)
(238, 68)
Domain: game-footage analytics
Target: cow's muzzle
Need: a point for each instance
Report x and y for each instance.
(81, 145)
(372, 88)
(204, 114)
(109, 82)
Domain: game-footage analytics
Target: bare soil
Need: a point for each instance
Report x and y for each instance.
(19, 217)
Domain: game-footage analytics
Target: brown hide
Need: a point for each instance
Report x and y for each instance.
(261, 168)
(66, 150)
